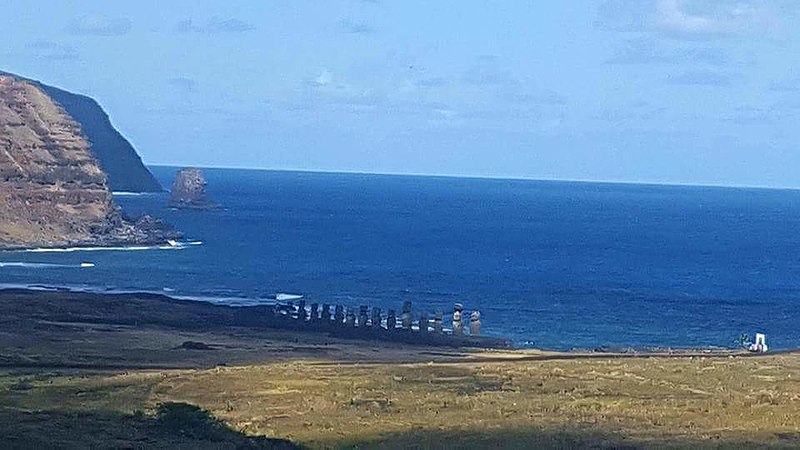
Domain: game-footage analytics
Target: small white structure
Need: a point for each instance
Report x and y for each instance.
(760, 346)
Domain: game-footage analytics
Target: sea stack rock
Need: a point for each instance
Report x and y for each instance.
(53, 192)
(189, 191)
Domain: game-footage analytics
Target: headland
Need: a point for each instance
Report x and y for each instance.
(53, 191)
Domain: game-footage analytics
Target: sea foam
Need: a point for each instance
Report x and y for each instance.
(170, 246)
(32, 265)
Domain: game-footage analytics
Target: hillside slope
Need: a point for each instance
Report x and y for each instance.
(116, 155)
(52, 190)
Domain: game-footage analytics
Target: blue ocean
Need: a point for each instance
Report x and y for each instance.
(556, 265)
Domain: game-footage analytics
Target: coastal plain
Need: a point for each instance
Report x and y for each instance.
(72, 374)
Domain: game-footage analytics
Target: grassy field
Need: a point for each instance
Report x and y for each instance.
(658, 402)
(73, 385)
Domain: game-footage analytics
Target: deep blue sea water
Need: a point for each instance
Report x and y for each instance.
(553, 264)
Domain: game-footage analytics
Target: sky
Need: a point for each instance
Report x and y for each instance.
(664, 91)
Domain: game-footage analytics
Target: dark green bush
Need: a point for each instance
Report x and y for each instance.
(191, 421)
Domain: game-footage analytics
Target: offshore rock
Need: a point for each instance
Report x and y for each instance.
(189, 191)
(116, 155)
(53, 192)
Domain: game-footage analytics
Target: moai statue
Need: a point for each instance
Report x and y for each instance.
(326, 312)
(438, 319)
(362, 316)
(302, 314)
(391, 320)
(350, 318)
(289, 310)
(406, 318)
(423, 323)
(338, 315)
(314, 311)
(376, 318)
(475, 323)
(458, 326)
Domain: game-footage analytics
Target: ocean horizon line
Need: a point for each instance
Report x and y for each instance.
(492, 177)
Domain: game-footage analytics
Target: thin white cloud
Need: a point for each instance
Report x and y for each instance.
(325, 78)
(48, 50)
(696, 19)
(99, 25)
(184, 84)
(214, 25)
(722, 17)
(652, 51)
(700, 78)
(672, 17)
(624, 15)
(356, 26)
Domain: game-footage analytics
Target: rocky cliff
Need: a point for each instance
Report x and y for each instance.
(52, 190)
(116, 155)
(189, 191)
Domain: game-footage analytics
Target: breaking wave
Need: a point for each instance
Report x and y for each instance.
(170, 246)
(30, 265)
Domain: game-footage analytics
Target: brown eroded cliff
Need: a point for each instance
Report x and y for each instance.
(52, 190)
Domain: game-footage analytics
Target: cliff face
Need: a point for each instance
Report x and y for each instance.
(189, 191)
(116, 156)
(52, 190)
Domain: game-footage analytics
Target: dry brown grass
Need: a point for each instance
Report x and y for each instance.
(642, 402)
(643, 399)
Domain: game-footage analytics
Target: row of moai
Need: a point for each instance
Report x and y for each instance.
(364, 318)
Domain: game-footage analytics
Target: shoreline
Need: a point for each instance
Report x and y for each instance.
(136, 309)
(222, 315)
(111, 246)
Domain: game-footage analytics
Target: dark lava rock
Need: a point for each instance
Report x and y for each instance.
(195, 345)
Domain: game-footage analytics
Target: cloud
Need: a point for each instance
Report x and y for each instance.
(355, 27)
(672, 17)
(695, 19)
(183, 83)
(99, 25)
(649, 51)
(700, 78)
(48, 50)
(543, 98)
(325, 78)
(751, 115)
(634, 112)
(215, 25)
(624, 15)
(486, 75)
(425, 100)
(789, 84)
(432, 82)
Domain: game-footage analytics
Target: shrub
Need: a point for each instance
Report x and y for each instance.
(191, 421)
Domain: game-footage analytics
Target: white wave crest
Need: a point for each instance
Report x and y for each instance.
(172, 245)
(32, 265)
